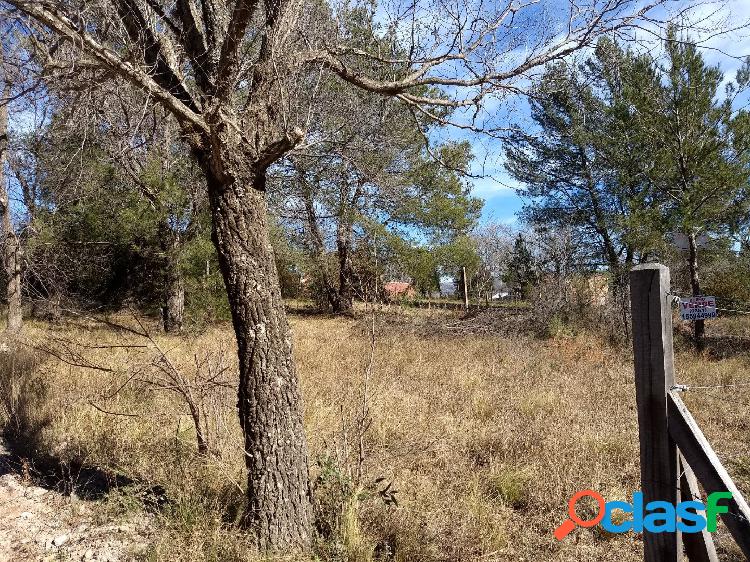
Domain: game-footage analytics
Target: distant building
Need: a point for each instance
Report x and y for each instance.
(597, 286)
(395, 290)
(500, 290)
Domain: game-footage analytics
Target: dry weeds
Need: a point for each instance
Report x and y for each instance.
(475, 441)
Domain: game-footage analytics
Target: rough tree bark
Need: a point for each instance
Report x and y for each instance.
(173, 308)
(11, 250)
(269, 402)
(699, 326)
(345, 298)
(174, 303)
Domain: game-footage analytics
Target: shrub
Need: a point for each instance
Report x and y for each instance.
(510, 486)
(562, 305)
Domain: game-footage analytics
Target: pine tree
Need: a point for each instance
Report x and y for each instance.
(701, 148)
(581, 169)
(521, 272)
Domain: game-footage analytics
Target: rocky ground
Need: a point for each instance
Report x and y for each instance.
(37, 523)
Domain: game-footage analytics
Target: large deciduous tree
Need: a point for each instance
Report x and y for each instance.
(233, 74)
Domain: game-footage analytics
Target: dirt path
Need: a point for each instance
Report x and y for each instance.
(41, 524)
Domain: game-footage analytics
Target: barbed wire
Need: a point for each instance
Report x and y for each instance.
(733, 311)
(736, 305)
(742, 401)
(688, 386)
(685, 388)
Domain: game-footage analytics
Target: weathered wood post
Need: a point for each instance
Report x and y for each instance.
(654, 376)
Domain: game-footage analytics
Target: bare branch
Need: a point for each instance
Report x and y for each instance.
(67, 29)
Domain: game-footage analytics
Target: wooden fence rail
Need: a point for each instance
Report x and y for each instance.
(673, 449)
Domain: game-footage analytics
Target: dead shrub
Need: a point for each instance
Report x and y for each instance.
(559, 303)
(565, 305)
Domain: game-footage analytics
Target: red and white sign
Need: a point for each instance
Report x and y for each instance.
(698, 308)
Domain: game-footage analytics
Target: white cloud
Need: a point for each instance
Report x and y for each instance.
(496, 184)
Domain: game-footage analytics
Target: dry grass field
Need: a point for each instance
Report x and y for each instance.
(467, 447)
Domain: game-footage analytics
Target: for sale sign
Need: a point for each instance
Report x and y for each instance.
(698, 308)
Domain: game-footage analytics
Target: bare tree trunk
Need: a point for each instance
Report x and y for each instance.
(174, 303)
(344, 240)
(12, 270)
(346, 289)
(699, 327)
(173, 308)
(200, 435)
(316, 240)
(279, 512)
(11, 250)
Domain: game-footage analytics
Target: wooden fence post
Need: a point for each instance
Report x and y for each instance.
(654, 376)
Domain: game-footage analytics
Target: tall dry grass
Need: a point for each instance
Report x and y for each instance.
(473, 442)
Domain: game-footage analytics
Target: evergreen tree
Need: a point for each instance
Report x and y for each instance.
(629, 151)
(588, 166)
(701, 150)
(521, 273)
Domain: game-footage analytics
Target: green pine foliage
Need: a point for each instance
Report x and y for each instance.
(627, 150)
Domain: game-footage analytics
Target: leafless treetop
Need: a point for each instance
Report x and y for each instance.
(253, 65)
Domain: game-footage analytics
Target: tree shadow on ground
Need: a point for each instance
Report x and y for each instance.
(46, 471)
(312, 311)
(717, 346)
(306, 311)
(71, 478)
(23, 393)
(725, 346)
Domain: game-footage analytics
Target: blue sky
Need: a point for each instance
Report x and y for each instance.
(500, 200)
(497, 187)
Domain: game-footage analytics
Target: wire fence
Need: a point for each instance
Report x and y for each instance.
(732, 307)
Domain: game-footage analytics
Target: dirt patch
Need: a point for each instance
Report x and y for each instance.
(38, 523)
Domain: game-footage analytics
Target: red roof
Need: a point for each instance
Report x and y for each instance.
(396, 287)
